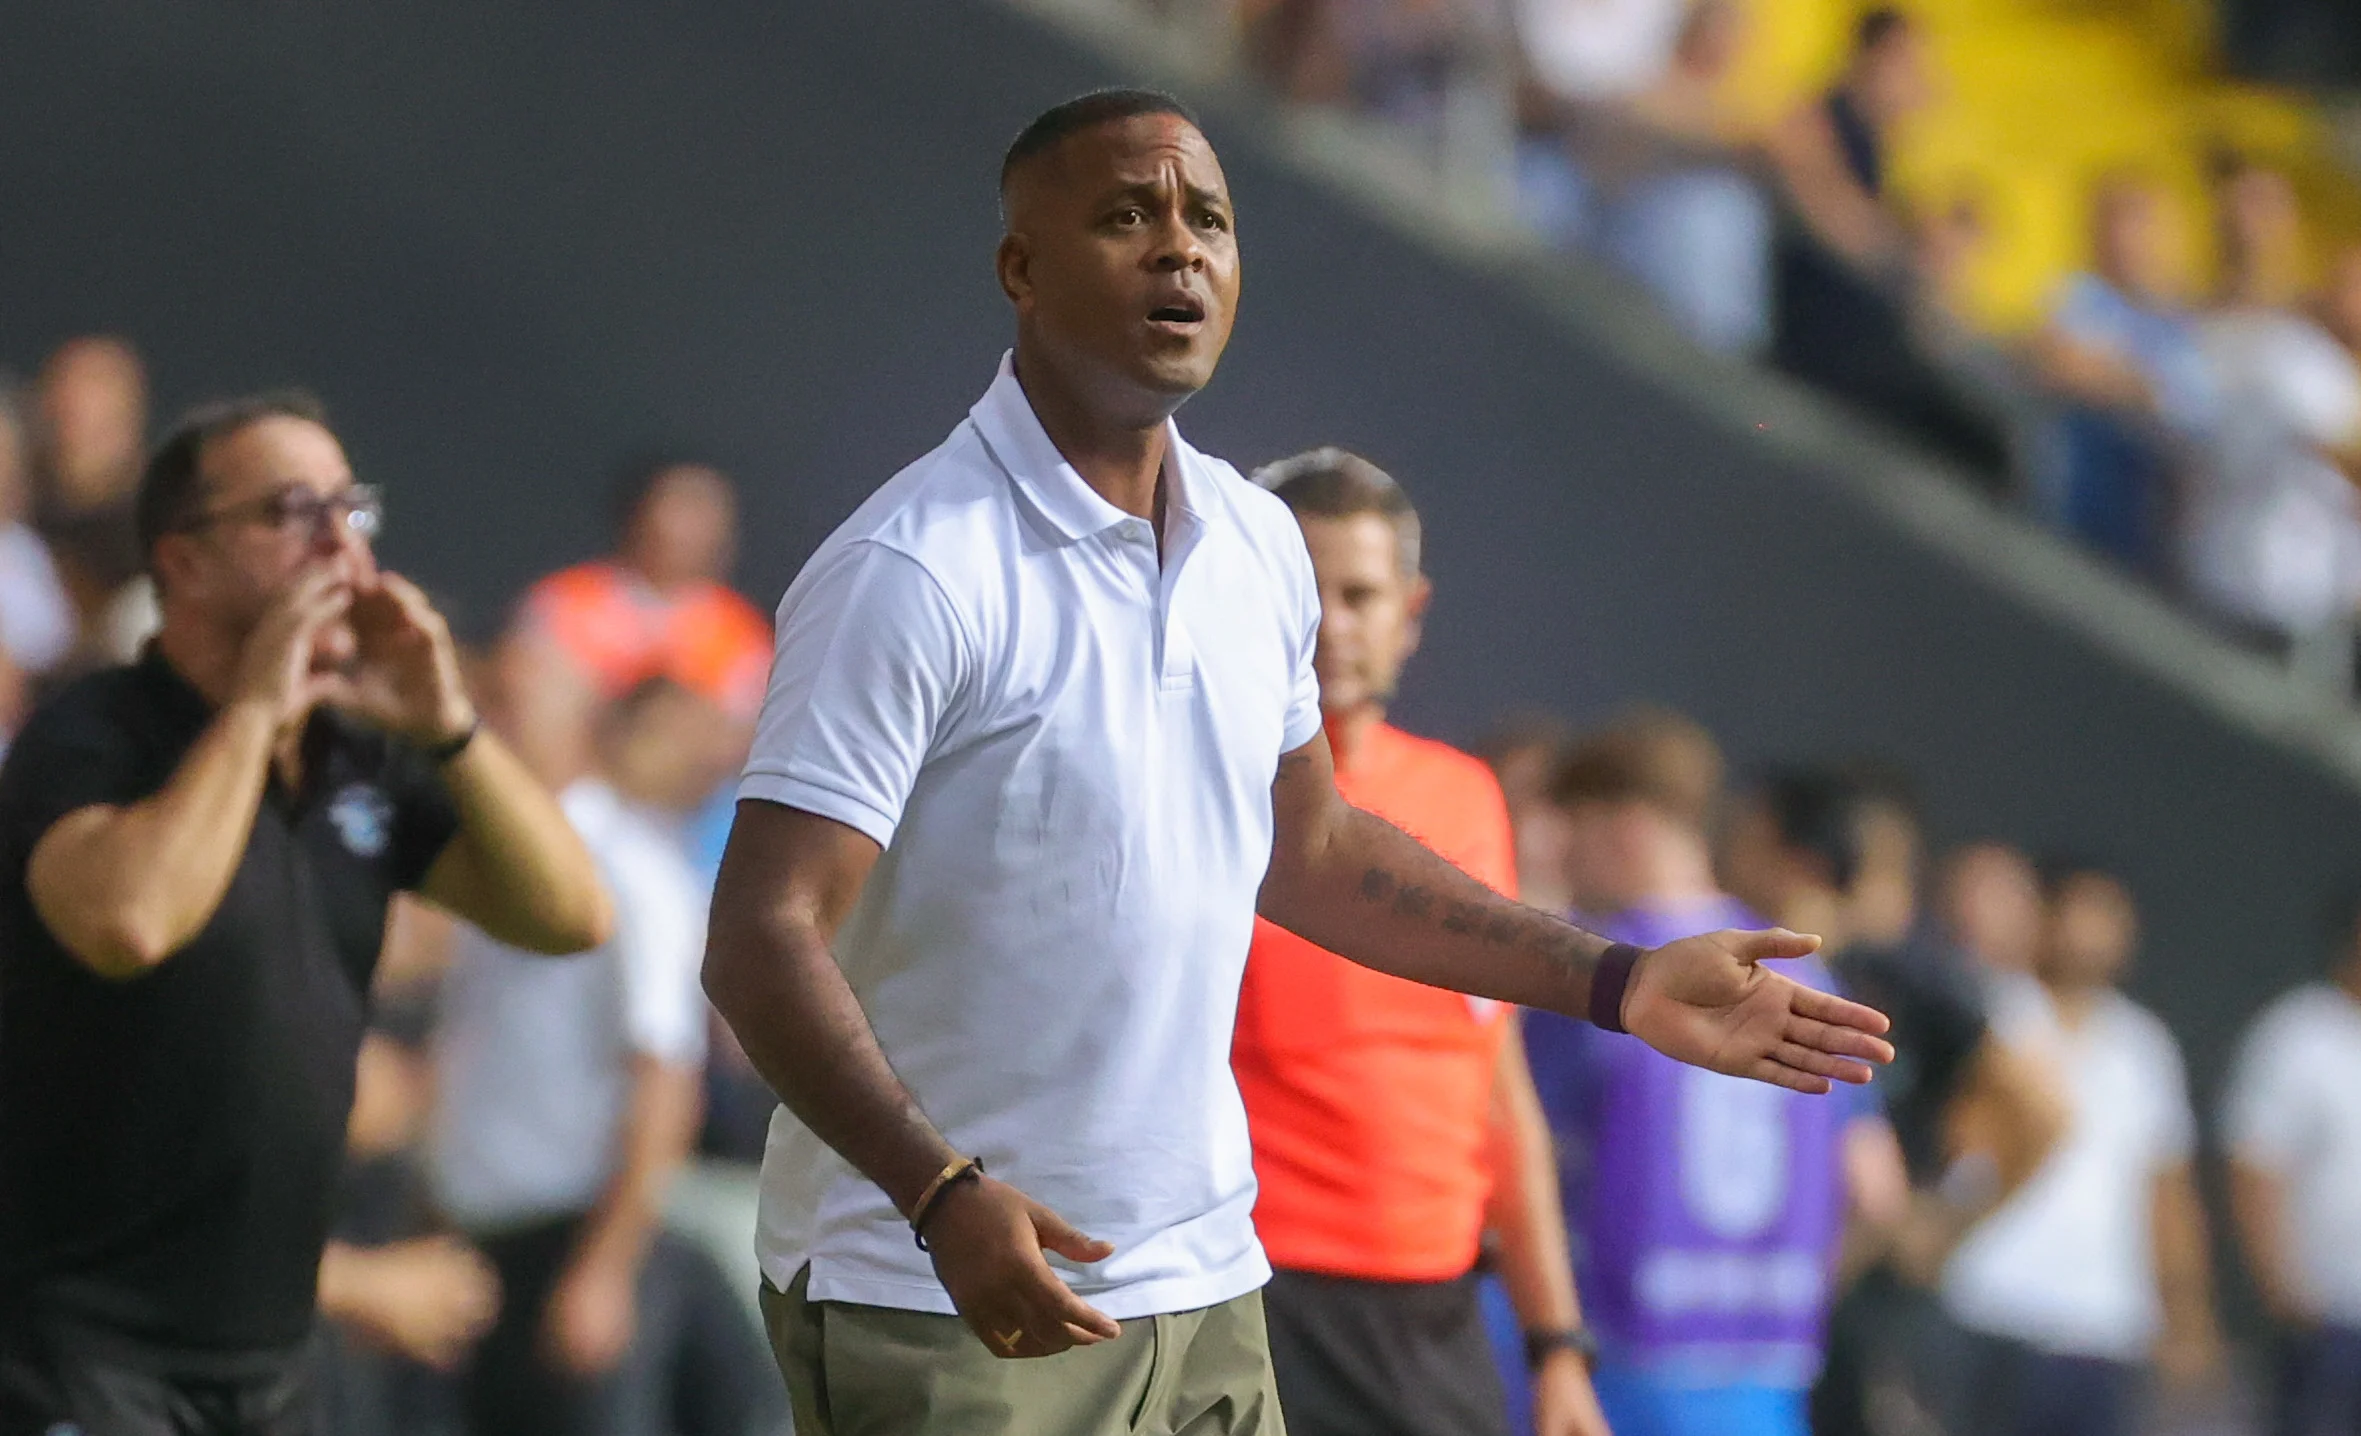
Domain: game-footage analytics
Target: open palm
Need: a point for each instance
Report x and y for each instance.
(1707, 1001)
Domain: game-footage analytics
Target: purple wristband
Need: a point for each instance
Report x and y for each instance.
(1608, 984)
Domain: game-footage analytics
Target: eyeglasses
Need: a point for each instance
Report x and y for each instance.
(358, 510)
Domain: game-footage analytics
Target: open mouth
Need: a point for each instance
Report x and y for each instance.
(1183, 312)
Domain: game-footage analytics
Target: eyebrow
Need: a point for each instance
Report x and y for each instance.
(1154, 191)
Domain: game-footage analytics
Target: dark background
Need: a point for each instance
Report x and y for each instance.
(2302, 42)
(509, 243)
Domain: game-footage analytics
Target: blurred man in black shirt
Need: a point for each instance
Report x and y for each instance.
(196, 855)
(1840, 852)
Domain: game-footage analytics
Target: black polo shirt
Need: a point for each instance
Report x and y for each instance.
(169, 1145)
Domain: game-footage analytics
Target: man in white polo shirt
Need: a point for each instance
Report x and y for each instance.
(1042, 725)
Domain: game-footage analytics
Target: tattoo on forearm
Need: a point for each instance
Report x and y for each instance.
(1536, 932)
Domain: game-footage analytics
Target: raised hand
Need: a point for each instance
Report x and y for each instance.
(987, 1238)
(276, 668)
(1707, 1001)
(405, 672)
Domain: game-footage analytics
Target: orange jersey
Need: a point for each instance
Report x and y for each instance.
(1369, 1097)
(704, 637)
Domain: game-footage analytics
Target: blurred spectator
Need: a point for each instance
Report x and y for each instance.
(90, 440)
(1948, 238)
(2097, 1266)
(1657, 178)
(1843, 269)
(1973, 1119)
(1392, 57)
(659, 607)
(2291, 1119)
(1992, 907)
(568, 1097)
(2129, 360)
(1707, 1209)
(2259, 235)
(1524, 754)
(2272, 530)
(36, 618)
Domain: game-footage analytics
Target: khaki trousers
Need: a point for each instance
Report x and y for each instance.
(875, 1371)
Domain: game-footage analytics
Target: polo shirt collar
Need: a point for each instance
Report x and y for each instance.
(1013, 433)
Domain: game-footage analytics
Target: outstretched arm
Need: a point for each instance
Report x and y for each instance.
(1357, 885)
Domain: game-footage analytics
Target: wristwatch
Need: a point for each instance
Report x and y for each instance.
(1541, 1342)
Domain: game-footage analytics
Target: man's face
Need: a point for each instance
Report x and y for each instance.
(1898, 81)
(276, 505)
(687, 528)
(2131, 248)
(1369, 609)
(2092, 930)
(1122, 257)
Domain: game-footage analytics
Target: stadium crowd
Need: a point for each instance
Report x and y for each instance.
(2004, 1236)
(2205, 437)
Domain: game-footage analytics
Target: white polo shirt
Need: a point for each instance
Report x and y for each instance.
(1066, 750)
(2294, 1109)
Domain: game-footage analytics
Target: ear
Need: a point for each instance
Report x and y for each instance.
(176, 564)
(1414, 611)
(1014, 263)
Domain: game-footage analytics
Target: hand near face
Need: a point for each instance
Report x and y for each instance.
(277, 667)
(1708, 1001)
(404, 676)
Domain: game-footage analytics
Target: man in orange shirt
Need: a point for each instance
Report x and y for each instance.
(658, 608)
(1383, 1111)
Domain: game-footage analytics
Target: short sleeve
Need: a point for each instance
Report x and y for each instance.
(1303, 699)
(68, 758)
(425, 817)
(659, 946)
(871, 662)
(2265, 1118)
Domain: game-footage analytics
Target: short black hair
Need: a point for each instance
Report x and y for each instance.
(1817, 812)
(1083, 112)
(1877, 25)
(172, 489)
(1334, 483)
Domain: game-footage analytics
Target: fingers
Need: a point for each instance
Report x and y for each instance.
(1046, 1317)
(1765, 1069)
(1060, 1236)
(1045, 1321)
(1820, 1064)
(1771, 944)
(1839, 1041)
(1827, 1007)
